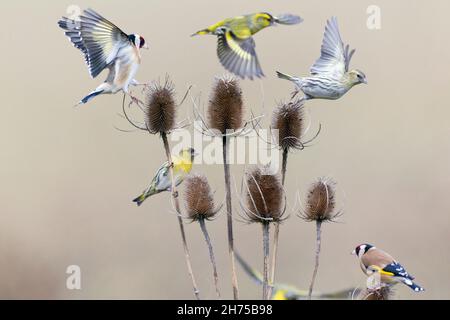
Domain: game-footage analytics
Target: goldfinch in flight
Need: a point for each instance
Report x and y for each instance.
(182, 165)
(105, 46)
(236, 47)
(330, 76)
(375, 261)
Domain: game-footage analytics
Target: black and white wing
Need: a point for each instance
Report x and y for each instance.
(98, 39)
(397, 270)
(238, 55)
(334, 58)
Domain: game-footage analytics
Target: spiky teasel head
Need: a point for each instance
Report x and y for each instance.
(265, 200)
(289, 119)
(199, 199)
(320, 203)
(160, 107)
(382, 293)
(226, 107)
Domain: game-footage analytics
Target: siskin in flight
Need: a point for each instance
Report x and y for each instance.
(182, 165)
(105, 46)
(330, 76)
(374, 261)
(236, 47)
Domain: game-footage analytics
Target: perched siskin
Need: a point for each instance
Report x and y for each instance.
(182, 165)
(330, 76)
(236, 47)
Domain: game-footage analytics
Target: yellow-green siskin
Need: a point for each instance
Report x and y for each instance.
(182, 165)
(330, 76)
(236, 47)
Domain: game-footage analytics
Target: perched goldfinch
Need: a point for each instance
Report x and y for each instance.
(375, 261)
(105, 46)
(236, 47)
(330, 76)
(182, 165)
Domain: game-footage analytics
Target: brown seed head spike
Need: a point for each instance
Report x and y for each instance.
(199, 200)
(288, 119)
(321, 202)
(225, 111)
(265, 195)
(160, 107)
(383, 293)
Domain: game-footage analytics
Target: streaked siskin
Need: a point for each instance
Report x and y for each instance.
(330, 75)
(182, 165)
(236, 47)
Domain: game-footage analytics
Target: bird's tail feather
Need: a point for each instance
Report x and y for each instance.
(201, 32)
(139, 200)
(90, 96)
(412, 285)
(285, 76)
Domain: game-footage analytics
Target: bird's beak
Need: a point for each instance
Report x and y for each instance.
(145, 46)
(365, 81)
(353, 252)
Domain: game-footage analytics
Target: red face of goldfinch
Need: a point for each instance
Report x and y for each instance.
(138, 41)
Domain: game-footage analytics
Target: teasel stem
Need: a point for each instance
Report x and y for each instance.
(266, 235)
(211, 255)
(284, 165)
(226, 167)
(276, 232)
(180, 220)
(316, 266)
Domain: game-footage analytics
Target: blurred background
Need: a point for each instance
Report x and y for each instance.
(68, 175)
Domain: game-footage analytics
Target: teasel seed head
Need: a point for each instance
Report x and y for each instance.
(199, 199)
(226, 107)
(382, 293)
(265, 200)
(320, 203)
(160, 107)
(289, 119)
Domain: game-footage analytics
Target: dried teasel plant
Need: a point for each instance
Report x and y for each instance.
(382, 293)
(320, 207)
(225, 116)
(200, 207)
(160, 107)
(264, 203)
(160, 112)
(288, 119)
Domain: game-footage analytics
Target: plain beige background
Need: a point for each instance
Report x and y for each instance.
(68, 176)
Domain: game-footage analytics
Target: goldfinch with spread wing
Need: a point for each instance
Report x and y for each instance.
(182, 165)
(236, 47)
(375, 261)
(330, 76)
(105, 46)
